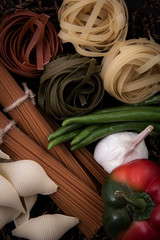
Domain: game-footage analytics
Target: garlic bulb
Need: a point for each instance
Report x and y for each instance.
(9, 196)
(120, 148)
(45, 227)
(28, 177)
(7, 215)
(29, 203)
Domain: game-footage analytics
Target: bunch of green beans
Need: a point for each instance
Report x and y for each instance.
(84, 130)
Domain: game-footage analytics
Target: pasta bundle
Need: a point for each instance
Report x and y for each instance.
(93, 26)
(70, 85)
(31, 121)
(27, 42)
(131, 72)
(73, 196)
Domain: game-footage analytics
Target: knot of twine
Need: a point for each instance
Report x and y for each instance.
(4, 130)
(28, 93)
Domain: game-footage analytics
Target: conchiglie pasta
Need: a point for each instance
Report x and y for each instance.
(28, 178)
(3, 155)
(9, 196)
(29, 203)
(131, 72)
(45, 227)
(93, 26)
(7, 215)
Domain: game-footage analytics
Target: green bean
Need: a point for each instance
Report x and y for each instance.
(110, 128)
(121, 116)
(64, 138)
(126, 107)
(154, 100)
(84, 133)
(63, 130)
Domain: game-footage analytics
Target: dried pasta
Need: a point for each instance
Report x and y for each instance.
(73, 196)
(34, 124)
(93, 26)
(131, 72)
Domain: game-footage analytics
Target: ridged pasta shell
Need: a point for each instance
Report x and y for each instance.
(45, 227)
(29, 203)
(28, 177)
(7, 215)
(3, 155)
(9, 196)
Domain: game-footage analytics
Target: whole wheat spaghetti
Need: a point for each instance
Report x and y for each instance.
(73, 196)
(85, 158)
(31, 121)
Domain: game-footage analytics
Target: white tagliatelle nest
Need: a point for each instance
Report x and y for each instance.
(93, 26)
(131, 72)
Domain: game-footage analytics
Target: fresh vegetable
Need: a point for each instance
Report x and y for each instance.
(109, 121)
(127, 108)
(131, 195)
(66, 137)
(63, 130)
(119, 148)
(84, 133)
(154, 100)
(121, 116)
(110, 128)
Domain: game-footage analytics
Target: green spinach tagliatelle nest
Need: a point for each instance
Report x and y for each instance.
(70, 85)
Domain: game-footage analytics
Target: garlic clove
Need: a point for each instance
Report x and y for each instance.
(7, 215)
(122, 147)
(9, 196)
(45, 227)
(29, 203)
(28, 177)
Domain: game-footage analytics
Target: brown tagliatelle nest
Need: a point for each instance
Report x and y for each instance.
(93, 26)
(27, 42)
(131, 72)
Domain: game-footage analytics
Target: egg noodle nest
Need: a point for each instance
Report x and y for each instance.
(144, 21)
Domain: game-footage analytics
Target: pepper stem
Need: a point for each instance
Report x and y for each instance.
(121, 195)
(138, 139)
(139, 205)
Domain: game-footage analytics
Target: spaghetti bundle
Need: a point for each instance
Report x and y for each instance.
(27, 42)
(93, 26)
(70, 85)
(73, 196)
(131, 72)
(31, 121)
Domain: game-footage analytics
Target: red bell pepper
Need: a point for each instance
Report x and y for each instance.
(131, 196)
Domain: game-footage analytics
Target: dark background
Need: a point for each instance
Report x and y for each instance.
(144, 21)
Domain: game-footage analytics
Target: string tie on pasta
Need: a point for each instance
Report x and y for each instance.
(6, 129)
(28, 94)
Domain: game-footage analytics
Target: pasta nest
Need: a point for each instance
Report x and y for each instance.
(93, 26)
(131, 72)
